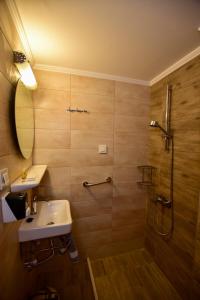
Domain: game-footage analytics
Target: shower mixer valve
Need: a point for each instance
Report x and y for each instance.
(163, 201)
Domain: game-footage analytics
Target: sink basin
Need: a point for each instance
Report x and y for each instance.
(33, 178)
(53, 218)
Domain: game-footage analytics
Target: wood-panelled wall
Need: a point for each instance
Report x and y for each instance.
(176, 256)
(15, 282)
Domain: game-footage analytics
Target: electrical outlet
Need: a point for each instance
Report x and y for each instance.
(4, 178)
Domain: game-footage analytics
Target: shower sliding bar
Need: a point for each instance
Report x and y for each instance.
(87, 184)
(168, 116)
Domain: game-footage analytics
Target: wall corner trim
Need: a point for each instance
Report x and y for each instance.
(176, 65)
(49, 68)
(15, 15)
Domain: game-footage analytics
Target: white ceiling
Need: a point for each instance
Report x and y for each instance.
(132, 38)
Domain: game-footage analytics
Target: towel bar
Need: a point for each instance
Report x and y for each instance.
(87, 184)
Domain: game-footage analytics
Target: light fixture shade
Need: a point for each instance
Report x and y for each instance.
(27, 76)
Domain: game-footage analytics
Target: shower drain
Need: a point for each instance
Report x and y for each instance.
(50, 223)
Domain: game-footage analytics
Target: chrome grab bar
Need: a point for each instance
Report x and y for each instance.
(87, 184)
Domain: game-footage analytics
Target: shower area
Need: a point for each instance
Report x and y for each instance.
(168, 266)
(172, 233)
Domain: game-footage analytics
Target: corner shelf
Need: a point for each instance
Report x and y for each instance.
(147, 175)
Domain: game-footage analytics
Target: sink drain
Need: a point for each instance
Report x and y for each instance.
(50, 223)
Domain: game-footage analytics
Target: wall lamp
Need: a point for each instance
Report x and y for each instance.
(25, 70)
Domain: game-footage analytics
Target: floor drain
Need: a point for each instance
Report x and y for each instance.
(50, 223)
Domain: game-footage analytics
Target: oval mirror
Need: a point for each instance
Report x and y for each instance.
(24, 119)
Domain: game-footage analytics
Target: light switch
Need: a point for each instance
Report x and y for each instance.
(103, 149)
(4, 178)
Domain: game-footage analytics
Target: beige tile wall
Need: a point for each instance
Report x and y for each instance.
(109, 218)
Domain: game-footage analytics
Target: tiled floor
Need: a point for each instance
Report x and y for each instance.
(131, 276)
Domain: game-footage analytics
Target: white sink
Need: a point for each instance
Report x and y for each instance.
(53, 218)
(33, 178)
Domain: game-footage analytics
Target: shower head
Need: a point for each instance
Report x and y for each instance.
(156, 124)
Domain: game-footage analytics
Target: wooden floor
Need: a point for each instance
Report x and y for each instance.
(72, 281)
(131, 276)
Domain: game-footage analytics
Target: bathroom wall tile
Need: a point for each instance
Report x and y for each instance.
(52, 119)
(52, 139)
(59, 176)
(6, 95)
(130, 156)
(132, 106)
(125, 189)
(88, 85)
(8, 161)
(131, 189)
(100, 198)
(94, 174)
(94, 121)
(113, 248)
(126, 174)
(101, 195)
(134, 124)
(52, 157)
(79, 192)
(128, 233)
(94, 209)
(6, 143)
(121, 218)
(155, 140)
(4, 122)
(90, 139)
(185, 125)
(94, 239)
(90, 158)
(191, 143)
(51, 99)
(131, 139)
(122, 203)
(186, 76)
(53, 192)
(129, 199)
(186, 99)
(93, 103)
(88, 208)
(94, 223)
(52, 80)
(129, 90)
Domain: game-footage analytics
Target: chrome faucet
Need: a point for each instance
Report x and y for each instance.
(34, 205)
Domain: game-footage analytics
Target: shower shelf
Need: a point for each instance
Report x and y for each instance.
(147, 175)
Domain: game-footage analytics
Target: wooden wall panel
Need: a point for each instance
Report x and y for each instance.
(15, 282)
(175, 256)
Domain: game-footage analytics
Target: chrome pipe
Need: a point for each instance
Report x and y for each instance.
(168, 116)
(87, 184)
